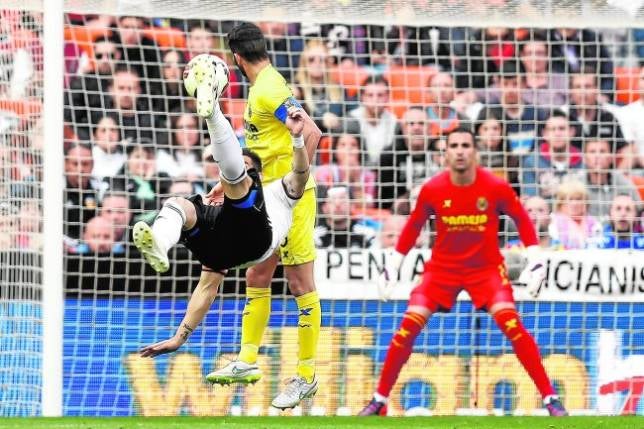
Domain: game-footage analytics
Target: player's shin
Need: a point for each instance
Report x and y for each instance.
(168, 225)
(308, 332)
(525, 348)
(399, 351)
(225, 148)
(254, 322)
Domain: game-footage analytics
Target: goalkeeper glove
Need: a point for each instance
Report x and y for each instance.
(389, 274)
(534, 274)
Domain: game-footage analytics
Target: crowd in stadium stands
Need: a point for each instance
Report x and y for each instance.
(550, 110)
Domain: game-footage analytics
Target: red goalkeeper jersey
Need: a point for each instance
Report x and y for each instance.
(466, 221)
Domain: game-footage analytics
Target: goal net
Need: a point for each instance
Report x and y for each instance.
(550, 88)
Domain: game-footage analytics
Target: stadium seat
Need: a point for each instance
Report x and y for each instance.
(84, 37)
(23, 107)
(626, 86)
(639, 184)
(166, 37)
(409, 82)
(350, 77)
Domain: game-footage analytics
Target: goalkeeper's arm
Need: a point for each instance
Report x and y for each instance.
(200, 301)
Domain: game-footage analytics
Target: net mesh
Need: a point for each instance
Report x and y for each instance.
(21, 140)
(132, 140)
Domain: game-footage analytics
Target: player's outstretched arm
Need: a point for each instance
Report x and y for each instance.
(296, 179)
(200, 302)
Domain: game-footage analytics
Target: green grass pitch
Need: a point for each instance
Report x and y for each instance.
(325, 422)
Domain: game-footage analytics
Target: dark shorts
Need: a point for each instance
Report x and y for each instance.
(231, 234)
(438, 289)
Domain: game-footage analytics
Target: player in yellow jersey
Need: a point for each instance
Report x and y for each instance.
(264, 117)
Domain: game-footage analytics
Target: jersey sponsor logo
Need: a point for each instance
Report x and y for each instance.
(481, 204)
(467, 220)
(447, 204)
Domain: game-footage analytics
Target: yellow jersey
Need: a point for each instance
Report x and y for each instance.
(264, 117)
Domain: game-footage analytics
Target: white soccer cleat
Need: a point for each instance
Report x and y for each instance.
(206, 77)
(235, 372)
(147, 245)
(295, 391)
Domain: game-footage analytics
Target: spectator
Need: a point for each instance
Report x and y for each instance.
(183, 157)
(486, 52)
(139, 51)
(571, 226)
(521, 121)
(321, 97)
(115, 207)
(590, 120)
(539, 213)
(107, 149)
(620, 232)
(377, 124)
(544, 169)
(602, 181)
(392, 226)
(283, 48)
(541, 88)
(200, 40)
(344, 43)
(346, 170)
(173, 92)
(490, 136)
(417, 46)
(99, 238)
(442, 117)
(82, 192)
(87, 92)
(140, 179)
(573, 50)
(125, 102)
(211, 173)
(409, 161)
(22, 57)
(336, 228)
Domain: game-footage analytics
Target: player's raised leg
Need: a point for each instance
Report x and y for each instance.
(154, 242)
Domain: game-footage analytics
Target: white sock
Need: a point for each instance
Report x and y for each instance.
(378, 397)
(225, 148)
(168, 225)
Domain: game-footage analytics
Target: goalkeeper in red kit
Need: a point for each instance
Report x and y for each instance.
(465, 201)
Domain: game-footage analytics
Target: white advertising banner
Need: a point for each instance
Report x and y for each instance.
(579, 275)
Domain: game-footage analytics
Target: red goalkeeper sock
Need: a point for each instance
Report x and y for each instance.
(399, 350)
(525, 348)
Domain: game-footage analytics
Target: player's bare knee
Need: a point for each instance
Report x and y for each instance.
(300, 278)
(498, 306)
(425, 312)
(258, 276)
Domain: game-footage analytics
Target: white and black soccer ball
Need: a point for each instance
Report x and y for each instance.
(196, 70)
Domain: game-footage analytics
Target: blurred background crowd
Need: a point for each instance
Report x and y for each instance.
(558, 113)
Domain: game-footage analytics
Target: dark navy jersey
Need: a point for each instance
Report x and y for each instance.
(233, 233)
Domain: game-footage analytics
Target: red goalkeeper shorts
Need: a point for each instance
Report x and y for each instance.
(438, 289)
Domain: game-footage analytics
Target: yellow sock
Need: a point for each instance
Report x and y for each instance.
(308, 331)
(254, 321)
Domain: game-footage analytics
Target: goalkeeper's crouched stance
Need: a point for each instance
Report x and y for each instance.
(244, 229)
(466, 202)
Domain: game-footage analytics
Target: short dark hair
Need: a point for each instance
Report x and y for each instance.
(374, 79)
(511, 69)
(257, 161)
(460, 130)
(247, 40)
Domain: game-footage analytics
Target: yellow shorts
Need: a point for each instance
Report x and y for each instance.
(299, 247)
